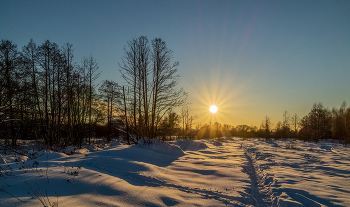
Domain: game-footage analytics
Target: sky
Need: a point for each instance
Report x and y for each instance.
(249, 58)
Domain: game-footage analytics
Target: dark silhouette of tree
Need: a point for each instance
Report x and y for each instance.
(173, 122)
(226, 131)
(295, 122)
(126, 117)
(164, 75)
(9, 60)
(92, 74)
(68, 68)
(266, 127)
(110, 94)
(30, 57)
(45, 56)
(317, 124)
(340, 122)
(135, 70)
(152, 79)
(285, 124)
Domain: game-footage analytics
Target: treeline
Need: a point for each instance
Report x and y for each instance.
(319, 123)
(45, 95)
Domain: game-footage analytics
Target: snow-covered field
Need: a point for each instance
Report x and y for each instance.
(229, 172)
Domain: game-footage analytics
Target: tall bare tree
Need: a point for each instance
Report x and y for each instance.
(92, 74)
(165, 96)
(135, 71)
(266, 126)
(30, 54)
(68, 56)
(295, 122)
(285, 124)
(110, 94)
(9, 59)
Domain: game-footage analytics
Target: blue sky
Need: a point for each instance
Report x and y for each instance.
(251, 58)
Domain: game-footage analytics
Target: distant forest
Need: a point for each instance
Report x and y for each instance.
(46, 96)
(319, 123)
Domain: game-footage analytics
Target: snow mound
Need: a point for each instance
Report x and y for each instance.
(69, 150)
(45, 155)
(82, 151)
(35, 154)
(327, 147)
(217, 143)
(2, 160)
(190, 145)
(161, 147)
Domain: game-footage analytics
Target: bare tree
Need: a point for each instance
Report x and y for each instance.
(9, 59)
(173, 119)
(152, 79)
(165, 96)
(135, 71)
(317, 124)
(285, 124)
(126, 117)
(30, 54)
(67, 51)
(45, 56)
(110, 93)
(266, 126)
(92, 74)
(295, 122)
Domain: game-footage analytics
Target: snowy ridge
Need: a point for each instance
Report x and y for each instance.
(2, 160)
(190, 145)
(157, 145)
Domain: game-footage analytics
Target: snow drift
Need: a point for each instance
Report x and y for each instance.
(190, 145)
(157, 145)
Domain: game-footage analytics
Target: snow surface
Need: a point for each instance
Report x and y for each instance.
(225, 172)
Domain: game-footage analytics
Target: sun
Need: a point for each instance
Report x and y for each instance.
(213, 109)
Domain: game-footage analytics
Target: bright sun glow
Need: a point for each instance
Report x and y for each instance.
(213, 109)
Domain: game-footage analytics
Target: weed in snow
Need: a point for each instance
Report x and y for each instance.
(76, 172)
(44, 199)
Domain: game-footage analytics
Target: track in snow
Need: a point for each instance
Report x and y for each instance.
(261, 182)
